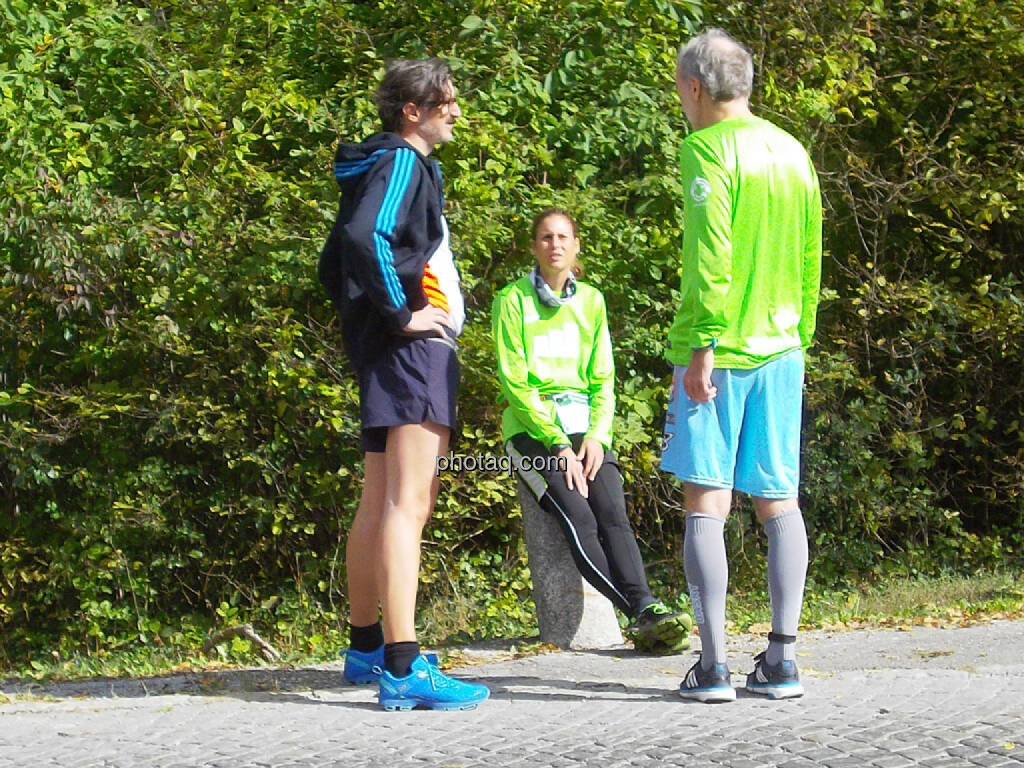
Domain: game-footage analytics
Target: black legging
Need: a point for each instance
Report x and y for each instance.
(597, 528)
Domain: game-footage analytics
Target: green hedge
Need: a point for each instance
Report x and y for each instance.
(178, 436)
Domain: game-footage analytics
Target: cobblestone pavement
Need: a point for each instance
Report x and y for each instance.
(924, 697)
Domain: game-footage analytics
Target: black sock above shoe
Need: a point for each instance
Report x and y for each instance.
(398, 657)
(365, 639)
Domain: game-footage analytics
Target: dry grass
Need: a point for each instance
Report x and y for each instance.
(945, 600)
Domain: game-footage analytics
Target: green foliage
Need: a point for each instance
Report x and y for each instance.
(178, 436)
(915, 395)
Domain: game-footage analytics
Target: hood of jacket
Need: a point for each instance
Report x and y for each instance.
(351, 161)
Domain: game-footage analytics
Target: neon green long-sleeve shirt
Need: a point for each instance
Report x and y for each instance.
(544, 351)
(751, 260)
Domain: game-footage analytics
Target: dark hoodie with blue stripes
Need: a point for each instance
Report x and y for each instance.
(389, 224)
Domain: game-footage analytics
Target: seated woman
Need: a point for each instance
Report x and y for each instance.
(557, 379)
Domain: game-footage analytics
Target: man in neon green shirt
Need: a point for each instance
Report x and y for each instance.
(751, 268)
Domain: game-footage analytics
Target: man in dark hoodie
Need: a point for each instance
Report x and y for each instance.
(388, 267)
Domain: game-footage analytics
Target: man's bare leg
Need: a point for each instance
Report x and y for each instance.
(362, 551)
(410, 490)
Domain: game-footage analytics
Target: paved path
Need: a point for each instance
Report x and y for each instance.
(925, 697)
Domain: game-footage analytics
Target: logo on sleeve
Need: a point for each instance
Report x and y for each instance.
(700, 190)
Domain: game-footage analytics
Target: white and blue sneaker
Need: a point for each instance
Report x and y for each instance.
(427, 686)
(364, 667)
(708, 685)
(781, 681)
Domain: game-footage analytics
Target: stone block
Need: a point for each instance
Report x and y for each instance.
(570, 612)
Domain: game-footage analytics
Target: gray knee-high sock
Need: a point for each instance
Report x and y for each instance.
(787, 569)
(707, 574)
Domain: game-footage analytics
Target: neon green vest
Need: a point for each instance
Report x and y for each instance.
(544, 351)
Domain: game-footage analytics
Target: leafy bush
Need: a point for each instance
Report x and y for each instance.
(179, 437)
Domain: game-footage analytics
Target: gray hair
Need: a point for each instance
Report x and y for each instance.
(423, 82)
(723, 66)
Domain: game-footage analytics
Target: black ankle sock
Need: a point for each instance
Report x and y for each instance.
(365, 639)
(398, 657)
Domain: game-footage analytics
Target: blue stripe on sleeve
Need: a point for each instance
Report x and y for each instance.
(344, 170)
(384, 227)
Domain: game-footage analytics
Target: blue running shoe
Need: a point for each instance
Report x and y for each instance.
(708, 685)
(779, 682)
(427, 686)
(364, 668)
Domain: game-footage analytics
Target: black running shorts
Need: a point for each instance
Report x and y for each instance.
(412, 381)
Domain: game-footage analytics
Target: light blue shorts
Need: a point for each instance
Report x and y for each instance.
(747, 437)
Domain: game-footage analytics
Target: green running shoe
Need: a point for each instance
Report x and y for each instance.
(660, 630)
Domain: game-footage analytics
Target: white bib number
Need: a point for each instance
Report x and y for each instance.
(573, 412)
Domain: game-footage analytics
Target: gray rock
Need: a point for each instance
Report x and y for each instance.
(570, 612)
